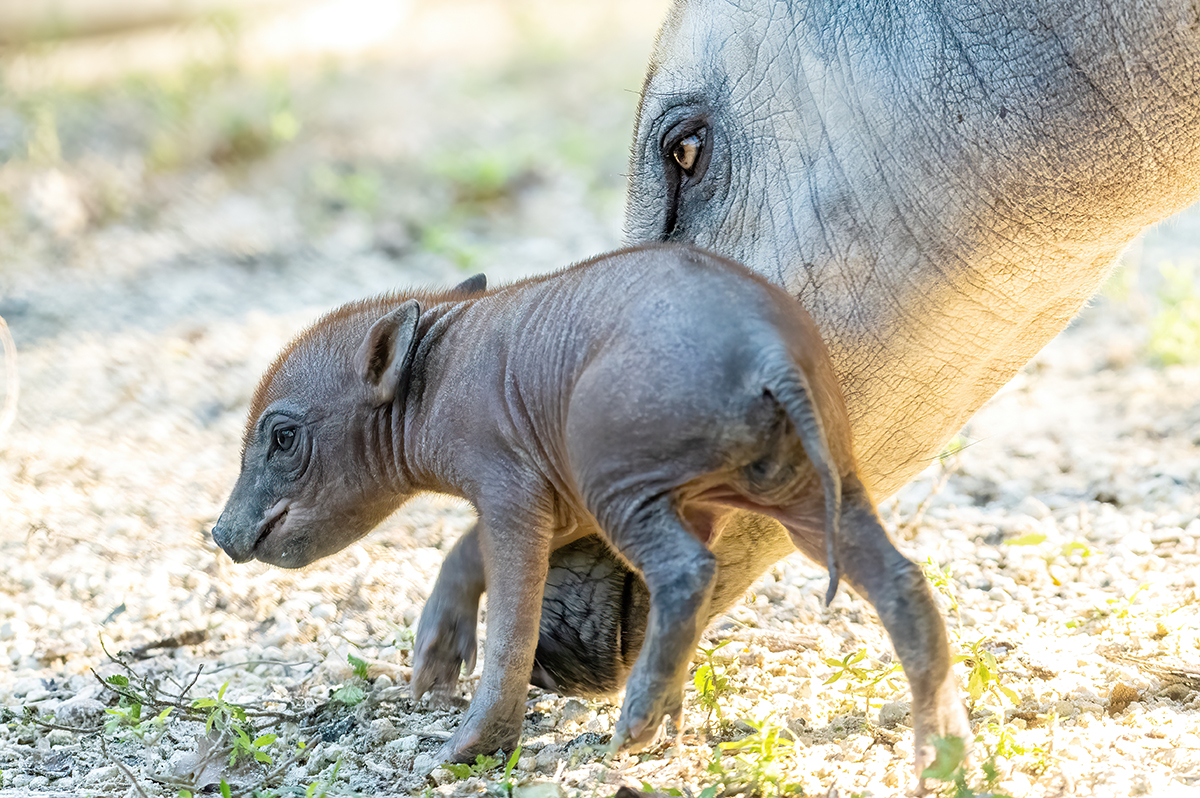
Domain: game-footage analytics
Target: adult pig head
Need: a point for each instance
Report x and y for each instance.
(943, 185)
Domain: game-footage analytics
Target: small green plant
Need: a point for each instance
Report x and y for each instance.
(44, 147)
(464, 770)
(950, 766)
(482, 177)
(221, 713)
(359, 666)
(984, 674)
(230, 720)
(349, 694)
(352, 692)
(127, 715)
(1073, 552)
(754, 766)
(506, 785)
(942, 581)
(1117, 608)
(448, 242)
(952, 450)
(320, 789)
(711, 682)
(246, 748)
(1033, 759)
(864, 680)
(1028, 539)
(346, 187)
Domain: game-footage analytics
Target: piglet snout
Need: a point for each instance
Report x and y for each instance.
(239, 540)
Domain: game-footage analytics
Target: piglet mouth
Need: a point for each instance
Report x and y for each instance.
(270, 523)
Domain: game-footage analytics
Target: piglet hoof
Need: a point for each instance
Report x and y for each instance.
(445, 642)
(638, 728)
(469, 741)
(946, 719)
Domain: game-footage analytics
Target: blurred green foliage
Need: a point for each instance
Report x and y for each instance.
(1175, 328)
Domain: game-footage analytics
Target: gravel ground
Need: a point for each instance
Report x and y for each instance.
(161, 238)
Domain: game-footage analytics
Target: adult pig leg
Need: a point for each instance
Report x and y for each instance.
(900, 594)
(445, 639)
(515, 549)
(679, 572)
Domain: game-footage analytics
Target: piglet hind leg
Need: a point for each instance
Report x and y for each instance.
(515, 554)
(900, 594)
(445, 639)
(679, 572)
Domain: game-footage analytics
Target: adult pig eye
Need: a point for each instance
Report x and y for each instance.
(284, 438)
(686, 152)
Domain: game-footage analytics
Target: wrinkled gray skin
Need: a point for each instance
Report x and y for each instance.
(644, 396)
(943, 185)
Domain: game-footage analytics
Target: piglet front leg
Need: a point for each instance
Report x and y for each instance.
(446, 632)
(515, 551)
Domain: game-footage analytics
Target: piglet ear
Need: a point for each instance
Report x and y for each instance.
(472, 285)
(386, 353)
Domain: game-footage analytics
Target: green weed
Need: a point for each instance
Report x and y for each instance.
(127, 715)
(1073, 552)
(230, 720)
(950, 766)
(754, 766)
(482, 177)
(942, 581)
(253, 132)
(1118, 608)
(464, 770)
(44, 148)
(353, 692)
(984, 675)
(484, 764)
(711, 681)
(864, 680)
(359, 666)
(448, 242)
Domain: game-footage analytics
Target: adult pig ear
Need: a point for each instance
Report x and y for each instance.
(472, 285)
(386, 352)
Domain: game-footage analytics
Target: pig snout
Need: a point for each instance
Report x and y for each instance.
(231, 537)
(242, 534)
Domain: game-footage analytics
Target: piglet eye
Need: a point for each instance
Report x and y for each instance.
(284, 437)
